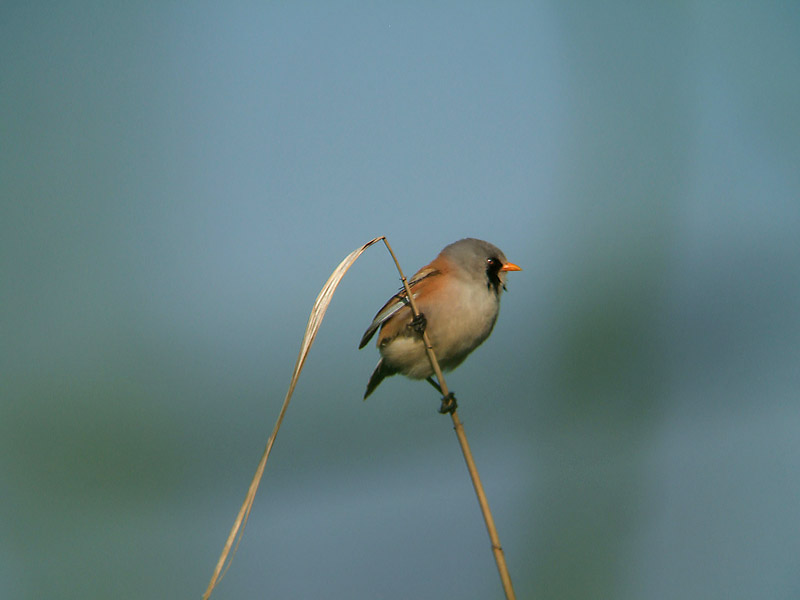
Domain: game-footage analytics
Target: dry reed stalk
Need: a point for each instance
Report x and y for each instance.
(497, 549)
(314, 321)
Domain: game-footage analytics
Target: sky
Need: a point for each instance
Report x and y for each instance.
(177, 181)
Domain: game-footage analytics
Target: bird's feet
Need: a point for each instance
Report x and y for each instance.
(419, 323)
(449, 404)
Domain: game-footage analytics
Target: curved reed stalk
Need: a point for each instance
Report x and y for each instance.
(314, 321)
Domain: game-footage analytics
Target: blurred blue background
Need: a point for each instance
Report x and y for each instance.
(178, 180)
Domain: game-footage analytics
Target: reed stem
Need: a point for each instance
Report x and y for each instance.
(497, 549)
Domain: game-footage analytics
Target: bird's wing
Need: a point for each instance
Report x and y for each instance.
(397, 302)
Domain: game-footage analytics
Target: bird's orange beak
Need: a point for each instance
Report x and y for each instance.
(510, 267)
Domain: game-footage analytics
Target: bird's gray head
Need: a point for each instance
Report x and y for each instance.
(480, 260)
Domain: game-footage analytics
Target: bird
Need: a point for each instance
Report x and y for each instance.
(458, 298)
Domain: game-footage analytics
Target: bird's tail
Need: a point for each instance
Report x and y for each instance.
(380, 373)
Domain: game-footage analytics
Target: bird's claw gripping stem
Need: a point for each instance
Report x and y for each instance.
(419, 323)
(449, 404)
